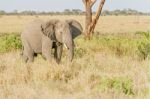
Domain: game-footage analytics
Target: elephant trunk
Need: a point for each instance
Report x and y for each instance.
(71, 52)
(68, 41)
(70, 48)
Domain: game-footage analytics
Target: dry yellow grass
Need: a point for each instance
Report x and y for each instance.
(78, 80)
(106, 24)
(81, 79)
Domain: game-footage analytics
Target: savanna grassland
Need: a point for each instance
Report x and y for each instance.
(115, 64)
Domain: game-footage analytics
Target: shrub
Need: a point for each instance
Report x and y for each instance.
(118, 45)
(119, 84)
(144, 45)
(9, 42)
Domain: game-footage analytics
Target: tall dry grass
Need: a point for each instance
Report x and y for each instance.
(82, 79)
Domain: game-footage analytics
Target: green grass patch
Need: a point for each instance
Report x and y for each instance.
(118, 84)
(144, 45)
(118, 45)
(9, 42)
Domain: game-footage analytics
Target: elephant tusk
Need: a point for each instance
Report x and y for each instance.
(66, 46)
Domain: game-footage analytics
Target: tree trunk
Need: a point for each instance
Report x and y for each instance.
(88, 19)
(98, 13)
(89, 24)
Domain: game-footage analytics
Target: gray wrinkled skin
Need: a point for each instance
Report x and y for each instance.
(41, 37)
(34, 41)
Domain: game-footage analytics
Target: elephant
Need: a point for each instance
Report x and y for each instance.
(40, 37)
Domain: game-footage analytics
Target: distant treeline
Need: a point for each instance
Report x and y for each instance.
(75, 12)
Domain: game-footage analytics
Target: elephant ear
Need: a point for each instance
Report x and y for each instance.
(75, 27)
(48, 30)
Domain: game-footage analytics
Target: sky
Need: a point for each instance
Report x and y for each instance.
(60, 5)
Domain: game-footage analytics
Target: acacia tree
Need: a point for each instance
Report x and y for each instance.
(89, 23)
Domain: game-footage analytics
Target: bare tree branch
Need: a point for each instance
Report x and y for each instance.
(92, 2)
(84, 1)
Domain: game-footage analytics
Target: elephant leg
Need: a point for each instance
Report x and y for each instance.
(31, 57)
(46, 48)
(28, 54)
(58, 53)
(25, 58)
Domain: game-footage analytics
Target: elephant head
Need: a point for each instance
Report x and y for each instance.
(63, 32)
(63, 35)
(59, 31)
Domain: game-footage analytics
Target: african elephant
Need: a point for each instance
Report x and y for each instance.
(41, 37)
(76, 30)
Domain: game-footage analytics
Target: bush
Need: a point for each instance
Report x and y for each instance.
(118, 45)
(144, 45)
(10, 42)
(119, 84)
